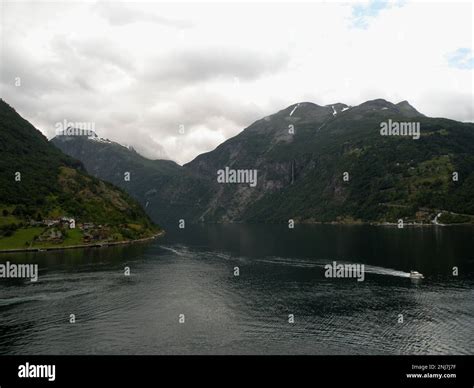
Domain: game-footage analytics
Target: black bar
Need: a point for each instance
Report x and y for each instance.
(312, 371)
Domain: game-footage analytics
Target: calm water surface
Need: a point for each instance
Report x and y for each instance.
(191, 272)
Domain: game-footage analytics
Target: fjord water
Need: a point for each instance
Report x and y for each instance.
(191, 272)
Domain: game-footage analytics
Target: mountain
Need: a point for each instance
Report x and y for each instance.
(407, 110)
(40, 185)
(166, 190)
(314, 164)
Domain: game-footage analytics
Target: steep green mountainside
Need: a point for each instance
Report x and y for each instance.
(389, 177)
(38, 182)
(301, 154)
(300, 175)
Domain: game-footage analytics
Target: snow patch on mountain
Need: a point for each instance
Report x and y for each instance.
(294, 109)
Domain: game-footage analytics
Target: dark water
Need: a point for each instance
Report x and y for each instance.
(191, 272)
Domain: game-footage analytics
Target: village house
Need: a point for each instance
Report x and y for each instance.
(69, 222)
(50, 222)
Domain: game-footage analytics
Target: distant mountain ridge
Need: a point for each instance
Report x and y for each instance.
(303, 154)
(165, 189)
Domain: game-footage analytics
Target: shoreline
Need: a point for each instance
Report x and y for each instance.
(354, 223)
(394, 224)
(83, 246)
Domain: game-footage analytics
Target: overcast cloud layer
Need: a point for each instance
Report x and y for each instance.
(141, 72)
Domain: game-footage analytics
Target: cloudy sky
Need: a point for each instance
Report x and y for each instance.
(141, 71)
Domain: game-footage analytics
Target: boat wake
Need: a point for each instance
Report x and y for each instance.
(288, 261)
(322, 263)
(386, 271)
(178, 252)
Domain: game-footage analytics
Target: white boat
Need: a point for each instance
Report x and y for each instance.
(416, 275)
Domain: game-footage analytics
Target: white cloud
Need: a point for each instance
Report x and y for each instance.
(139, 71)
